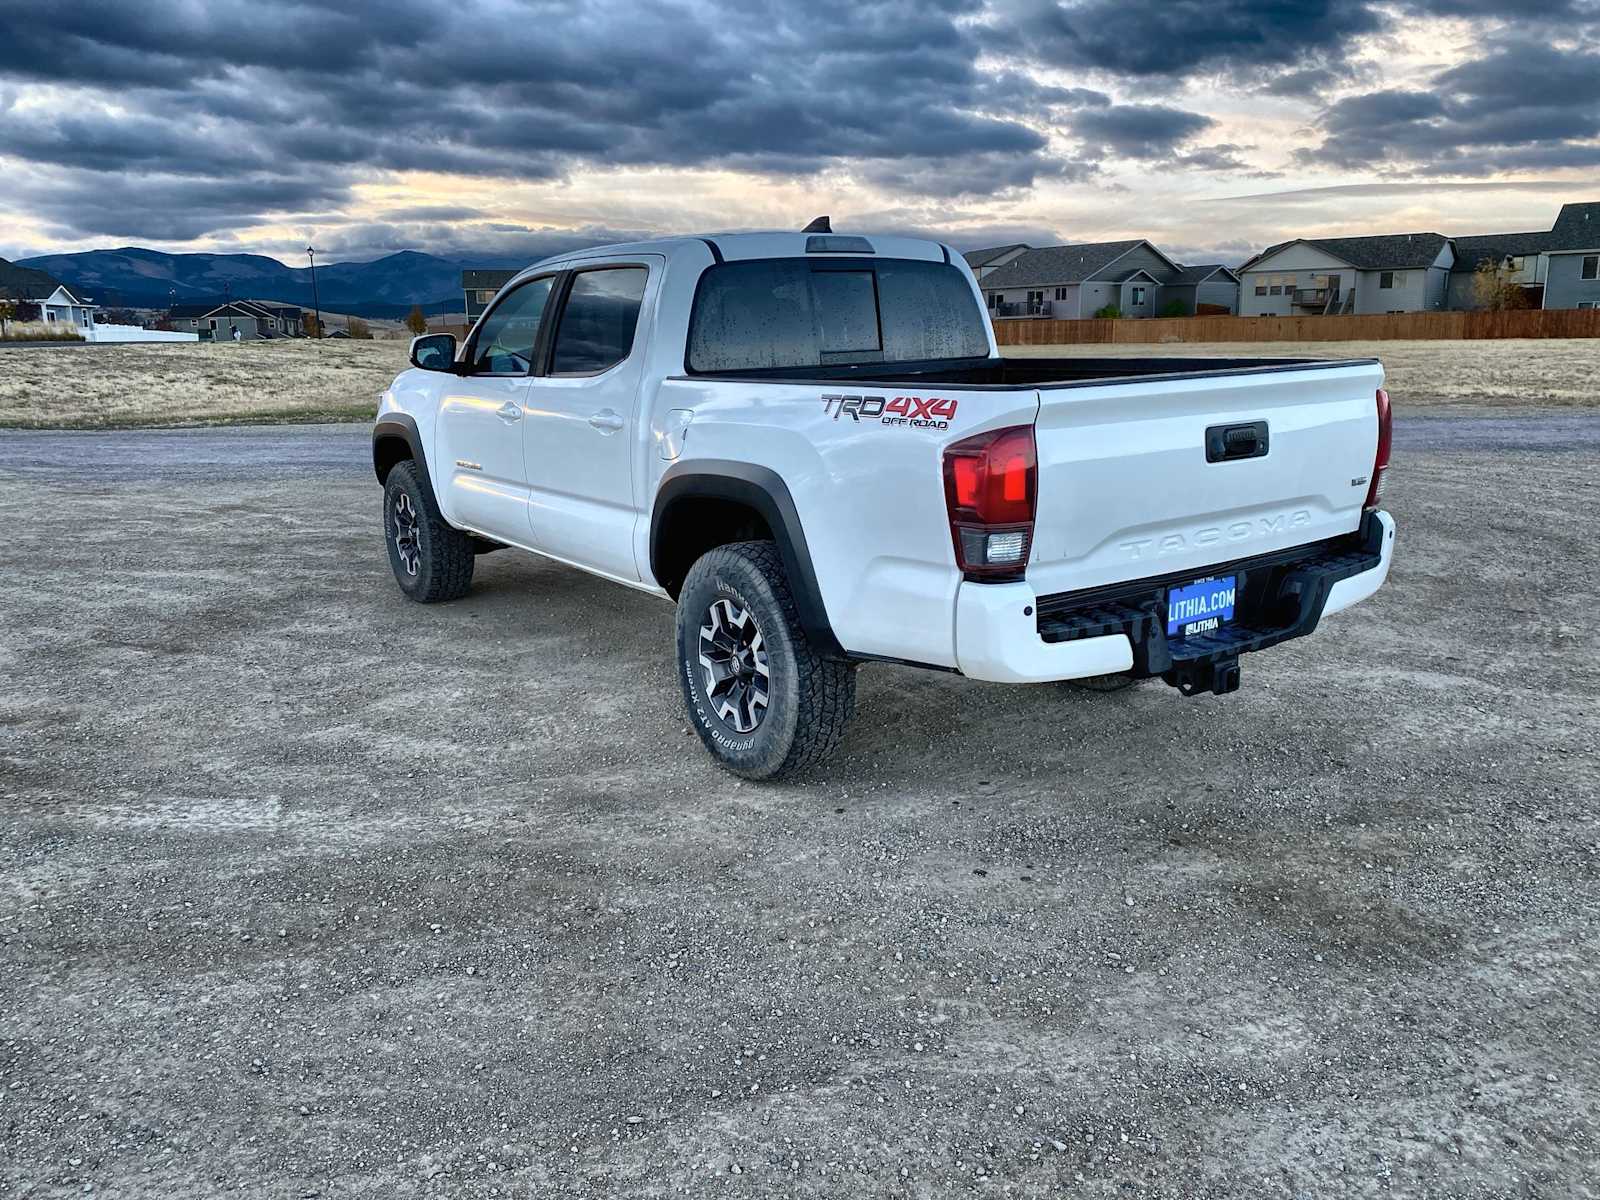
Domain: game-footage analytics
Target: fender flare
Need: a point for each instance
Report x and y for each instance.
(404, 427)
(764, 491)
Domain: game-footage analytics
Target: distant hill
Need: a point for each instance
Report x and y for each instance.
(133, 277)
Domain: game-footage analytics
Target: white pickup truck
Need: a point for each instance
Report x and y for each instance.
(811, 443)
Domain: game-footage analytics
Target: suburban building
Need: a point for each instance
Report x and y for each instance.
(481, 286)
(1388, 273)
(1076, 281)
(255, 319)
(40, 296)
(1548, 264)
(1207, 289)
(983, 262)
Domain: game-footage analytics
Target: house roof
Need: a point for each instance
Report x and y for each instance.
(1577, 227)
(1132, 273)
(979, 258)
(1189, 276)
(1384, 251)
(28, 283)
(1470, 251)
(1049, 265)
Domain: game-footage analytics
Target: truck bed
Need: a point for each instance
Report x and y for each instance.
(1022, 373)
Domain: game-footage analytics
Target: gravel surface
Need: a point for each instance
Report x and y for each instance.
(309, 891)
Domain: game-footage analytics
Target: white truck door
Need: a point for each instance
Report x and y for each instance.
(583, 420)
(478, 464)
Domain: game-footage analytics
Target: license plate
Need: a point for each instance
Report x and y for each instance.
(1200, 607)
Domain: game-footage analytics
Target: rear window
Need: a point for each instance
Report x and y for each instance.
(798, 312)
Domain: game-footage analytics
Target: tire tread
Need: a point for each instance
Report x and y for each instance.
(445, 572)
(826, 686)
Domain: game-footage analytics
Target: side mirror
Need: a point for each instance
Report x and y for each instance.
(434, 352)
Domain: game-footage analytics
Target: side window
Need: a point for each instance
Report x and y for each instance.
(504, 345)
(598, 321)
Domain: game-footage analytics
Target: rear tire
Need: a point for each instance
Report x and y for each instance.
(762, 699)
(431, 560)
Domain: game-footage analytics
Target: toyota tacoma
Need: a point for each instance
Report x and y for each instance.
(812, 445)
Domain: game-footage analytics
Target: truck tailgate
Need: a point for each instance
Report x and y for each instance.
(1126, 490)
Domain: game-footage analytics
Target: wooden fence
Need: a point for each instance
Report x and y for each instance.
(1519, 323)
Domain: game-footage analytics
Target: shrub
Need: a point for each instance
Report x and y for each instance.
(40, 331)
(1174, 308)
(1110, 310)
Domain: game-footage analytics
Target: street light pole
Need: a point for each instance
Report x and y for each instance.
(316, 301)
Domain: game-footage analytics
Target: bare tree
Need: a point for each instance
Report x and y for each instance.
(1495, 288)
(415, 321)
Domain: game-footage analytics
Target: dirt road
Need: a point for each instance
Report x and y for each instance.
(312, 891)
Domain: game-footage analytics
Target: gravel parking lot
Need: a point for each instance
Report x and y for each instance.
(309, 891)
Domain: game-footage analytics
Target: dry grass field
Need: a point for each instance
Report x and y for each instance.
(199, 383)
(103, 387)
(1542, 371)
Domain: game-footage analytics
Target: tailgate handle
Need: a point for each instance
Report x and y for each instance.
(1224, 443)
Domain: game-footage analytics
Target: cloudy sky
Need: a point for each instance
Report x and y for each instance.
(516, 127)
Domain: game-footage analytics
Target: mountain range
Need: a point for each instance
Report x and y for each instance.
(133, 277)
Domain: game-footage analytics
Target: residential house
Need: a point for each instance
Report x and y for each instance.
(1556, 268)
(255, 319)
(1209, 289)
(1388, 273)
(480, 286)
(1070, 282)
(40, 296)
(986, 261)
(1520, 255)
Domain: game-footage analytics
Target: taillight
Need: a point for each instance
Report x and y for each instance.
(990, 484)
(1380, 461)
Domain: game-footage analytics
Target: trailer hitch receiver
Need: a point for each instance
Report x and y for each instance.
(1217, 676)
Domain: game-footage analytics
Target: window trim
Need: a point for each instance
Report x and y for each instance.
(470, 346)
(1583, 265)
(545, 363)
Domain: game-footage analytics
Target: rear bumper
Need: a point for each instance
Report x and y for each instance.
(1007, 634)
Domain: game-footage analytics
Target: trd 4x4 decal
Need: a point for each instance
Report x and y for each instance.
(931, 412)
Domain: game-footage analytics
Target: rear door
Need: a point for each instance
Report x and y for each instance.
(478, 464)
(583, 419)
(1177, 473)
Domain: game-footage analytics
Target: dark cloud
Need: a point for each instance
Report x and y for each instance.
(1523, 106)
(1179, 37)
(1138, 130)
(165, 207)
(172, 122)
(1302, 82)
(235, 90)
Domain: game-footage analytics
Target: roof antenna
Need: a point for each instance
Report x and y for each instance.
(820, 225)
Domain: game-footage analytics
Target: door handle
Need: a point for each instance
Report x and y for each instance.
(509, 411)
(607, 420)
(1225, 443)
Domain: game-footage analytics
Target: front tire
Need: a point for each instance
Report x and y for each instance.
(431, 560)
(762, 699)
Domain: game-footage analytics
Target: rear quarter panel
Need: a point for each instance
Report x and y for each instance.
(869, 492)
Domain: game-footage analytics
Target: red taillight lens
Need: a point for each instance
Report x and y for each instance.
(990, 482)
(1380, 461)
